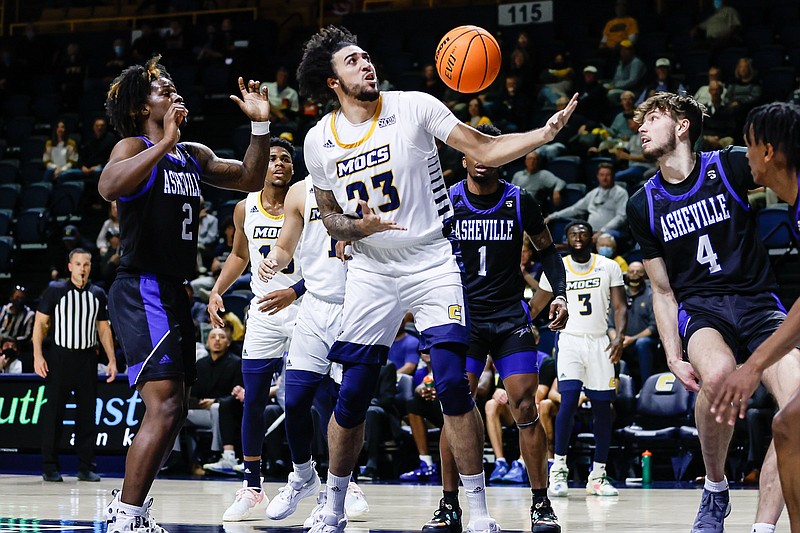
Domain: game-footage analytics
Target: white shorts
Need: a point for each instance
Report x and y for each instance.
(268, 336)
(318, 323)
(384, 283)
(584, 358)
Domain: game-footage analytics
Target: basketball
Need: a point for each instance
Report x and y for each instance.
(468, 59)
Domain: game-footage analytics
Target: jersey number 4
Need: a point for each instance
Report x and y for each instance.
(381, 181)
(706, 255)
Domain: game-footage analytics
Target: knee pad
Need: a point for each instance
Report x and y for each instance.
(355, 393)
(526, 425)
(450, 378)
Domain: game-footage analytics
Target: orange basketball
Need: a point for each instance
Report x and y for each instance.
(468, 59)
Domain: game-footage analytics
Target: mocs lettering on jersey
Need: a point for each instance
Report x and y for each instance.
(266, 232)
(181, 183)
(373, 158)
(388, 121)
(314, 214)
(694, 217)
(591, 283)
(485, 230)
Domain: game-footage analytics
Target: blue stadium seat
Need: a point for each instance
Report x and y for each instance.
(32, 170)
(571, 194)
(65, 201)
(557, 226)
(768, 56)
(566, 167)
(6, 256)
(9, 194)
(778, 83)
(36, 195)
(18, 129)
(31, 228)
(32, 148)
(773, 227)
(6, 217)
(16, 105)
(9, 171)
(547, 340)
(236, 304)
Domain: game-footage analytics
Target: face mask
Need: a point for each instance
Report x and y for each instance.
(118, 50)
(605, 251)
(10, 353)
(717, 4)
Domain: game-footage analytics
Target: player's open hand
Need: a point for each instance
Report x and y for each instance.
(40, 366)
(371, 223)
(558, 314)
(215, 306)
(731, 399)
(276, 300)
(560, 118)
(614, 350)
(254, 101)
(111, 370)
(686, 374)
(267, 269)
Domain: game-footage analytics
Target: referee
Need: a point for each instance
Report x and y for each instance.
(77, 312)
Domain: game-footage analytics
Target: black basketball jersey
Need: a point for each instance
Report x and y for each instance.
(158, 224)
(794, 214)
(490, 238)
(706, 235)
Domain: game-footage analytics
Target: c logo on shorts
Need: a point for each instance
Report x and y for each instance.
(612, 383)
(454, 312)
(665, 383)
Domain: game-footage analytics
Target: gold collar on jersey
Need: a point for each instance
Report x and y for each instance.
(366, 137)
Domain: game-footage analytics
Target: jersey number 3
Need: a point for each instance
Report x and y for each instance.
(706, 255)
(382, 182)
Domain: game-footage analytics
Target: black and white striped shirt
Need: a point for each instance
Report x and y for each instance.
(16, 325)
(74, 313)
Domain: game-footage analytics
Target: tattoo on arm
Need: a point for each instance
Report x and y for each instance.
(542, 239)
(341, 227)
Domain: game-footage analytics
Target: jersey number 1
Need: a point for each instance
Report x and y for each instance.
(706, 255)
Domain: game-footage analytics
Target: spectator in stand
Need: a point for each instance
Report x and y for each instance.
(177, 45)
(541, 183)
(529, 268)
(640, 346)
(72, 71)
(109, 260)
(745, 92)
(16, 318)
(720, 29)
(199, 309)
(514, 107)
(476, 116)
(118, 59)
(607, 247)
(431, 83)
(383, 420)
(703, 95)
(224, 245)
(9, 357)
(111, 222)
(621, 125)
(664, 81)
(207, 234)
(60, 152)
(719, 124)
(639, 167)
(622, 27)
(404, 352)
(94, 154)
(146, 45)
(521, 67)
(557, 80)
(593, 100)
(284, 102)
(604, 205)
(629, 73)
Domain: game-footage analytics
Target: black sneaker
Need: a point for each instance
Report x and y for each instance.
(53, 476)
(446, 519)
(543, 519)
(88, 475)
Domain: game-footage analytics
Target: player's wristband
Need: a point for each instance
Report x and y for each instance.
(259, 128)
(299, 288)
(561, 297)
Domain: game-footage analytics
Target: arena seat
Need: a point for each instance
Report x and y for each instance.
(6, 217)
(6, 256)
(566, 167)
(31, 228)
(236, 304)
(65, 201)
(571, 194)
(9, 171)
(9, 194)
(774, 229)
(36, 195)
(778, 83)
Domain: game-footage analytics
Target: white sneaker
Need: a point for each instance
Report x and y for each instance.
(355, 504)
(482, 525)
(119, 522)
(316, 512)
(226, 465)
(328, 523)
(248, 501)
(285, 503)
(558, 486)
(599, 485)
(239, 468)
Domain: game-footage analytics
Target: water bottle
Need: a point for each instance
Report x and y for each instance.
(646, 477)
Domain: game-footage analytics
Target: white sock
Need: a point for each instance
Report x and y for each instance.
(131, 510)
(427, 459)
(521, 461)
(716, 486)
(560, 461)
(304, 471)
(229, 455)
(336, 491)
(500, 460)
(598, 468)
(762, 527)
(475, 487)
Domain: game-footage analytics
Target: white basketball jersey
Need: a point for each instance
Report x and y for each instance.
(390, 161)
(262, 230)
(588, 293)
(323, 272)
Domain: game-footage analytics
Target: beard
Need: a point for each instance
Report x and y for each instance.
(361, 93)
(654, 154)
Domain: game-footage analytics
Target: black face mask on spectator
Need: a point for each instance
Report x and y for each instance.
(10, 353)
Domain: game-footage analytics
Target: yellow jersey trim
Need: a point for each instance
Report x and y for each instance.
(591, 268)
(366, 137)
(264, 211)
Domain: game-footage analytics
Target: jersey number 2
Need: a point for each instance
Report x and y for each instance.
(186, 234)
(706, 255)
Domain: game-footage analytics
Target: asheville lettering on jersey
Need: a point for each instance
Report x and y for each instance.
(373, 158)
(266, 232)
(694, 217)
(485, 230)
(181, 183)
(581, 284)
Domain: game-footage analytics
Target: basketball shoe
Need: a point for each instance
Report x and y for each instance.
(446, 519)
(248, 503)
(327, 522)
(355, 504)
(543, 519)
(500, 470)
(559, 476)
(516, 474)
(226, 464)
(117, 521)
(285, 503)
(425, 472)
(714, 507)
(482, 525)
(599, 485)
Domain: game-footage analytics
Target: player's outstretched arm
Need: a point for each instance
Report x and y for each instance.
(283, 251)
(232, 268)
(665, 308)
(344, 227)
(497, 151)
(740, 385)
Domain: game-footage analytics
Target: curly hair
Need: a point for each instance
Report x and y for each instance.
(777, 124)
(317, 64)
(283, 143)
(128, 93)
(679, 106)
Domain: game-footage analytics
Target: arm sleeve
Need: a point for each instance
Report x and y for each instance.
(544, 283)
(554, 268)
(532, 219)
(637, 220)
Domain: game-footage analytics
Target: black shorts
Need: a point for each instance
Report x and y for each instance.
(744, 321)
(152, 319)
(504, 332)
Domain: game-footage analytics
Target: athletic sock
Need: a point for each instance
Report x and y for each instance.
(716, 486)
(336, 491)
(475, 487)
(252, 473)
(427, 459)
(762, 527)
(305, 471)
(560, 461)
(131, 510)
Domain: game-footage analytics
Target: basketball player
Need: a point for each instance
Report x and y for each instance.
(586, 358)
(492, 217)
(318, 322)
(156, 182)
(258, 220)
(713, 288)
(378, 183)
(772, 136)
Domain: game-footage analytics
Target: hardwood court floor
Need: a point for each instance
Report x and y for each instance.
(29, 505)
